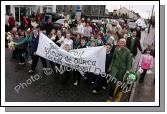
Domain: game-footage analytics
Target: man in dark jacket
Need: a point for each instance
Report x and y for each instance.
(133, 43)
(77, 73)
(35, 58)
(48, 26)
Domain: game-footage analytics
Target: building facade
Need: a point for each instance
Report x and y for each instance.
(19, 11)
(65, 9)
(93, 10)
(126, 12)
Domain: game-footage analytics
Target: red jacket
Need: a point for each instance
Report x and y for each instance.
(11, 21)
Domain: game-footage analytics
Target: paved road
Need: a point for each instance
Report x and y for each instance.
(47, 88)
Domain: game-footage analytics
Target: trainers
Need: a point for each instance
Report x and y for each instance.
(30, 62)
(31, 71)
(43, 68)
(104, 88)
(94, 91)
(20, 63)
(76, 83)
(92, 82)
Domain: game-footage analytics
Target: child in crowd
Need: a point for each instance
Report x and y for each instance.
(77, 73)
(15, 51)
(59, 38)
(91, 76)
(92, 39)
(101, 82)
(52, 36)
(67, 40)
(65, 75)
(77, 41)
(22, 49)
(146, 63)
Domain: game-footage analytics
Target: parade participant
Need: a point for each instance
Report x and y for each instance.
(91, 76)
(11, 21)
(35, 58)
(67, 40)
(52, 36)
(87, 30)
(92, 39)
(106, 37)
(92, 44)
(77, 73)
(76, 41)
(65, 75)
(138, 33)
(59, 38)
(66, 24)
(21, 48)
(15, 49)
(146, 63)
(133, 43)
(100, 42)
(80, 27)
(48, 26)
(109, 26)
(83, 22)
(121, 63)
(111, 42)
(6, 23)
(34, 23)
(101, 82)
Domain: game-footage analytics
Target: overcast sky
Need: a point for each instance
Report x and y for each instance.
(143, 10)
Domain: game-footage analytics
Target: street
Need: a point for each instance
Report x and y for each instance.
(46, 89)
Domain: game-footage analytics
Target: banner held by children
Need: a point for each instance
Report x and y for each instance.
(90, 59)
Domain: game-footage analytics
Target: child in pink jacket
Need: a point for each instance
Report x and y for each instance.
(146, 63)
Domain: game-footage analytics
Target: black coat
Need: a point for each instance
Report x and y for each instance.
(136, 45)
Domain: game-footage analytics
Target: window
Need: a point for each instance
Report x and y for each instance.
(47, 9)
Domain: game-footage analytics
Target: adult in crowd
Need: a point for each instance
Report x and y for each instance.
(35, 58)
(87, 30)
(11, 21)
(133, 44)
(76, 41)
(121, 63)
(59, 38)
(48, 26)
(80, 27)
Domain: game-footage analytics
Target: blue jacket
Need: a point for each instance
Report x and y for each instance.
(34, 43)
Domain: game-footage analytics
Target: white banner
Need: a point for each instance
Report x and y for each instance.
(90, 59)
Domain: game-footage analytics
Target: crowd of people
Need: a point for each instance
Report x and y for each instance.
(120, 41)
